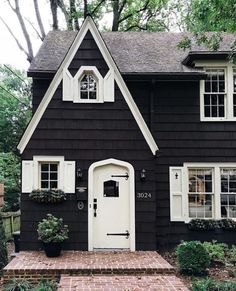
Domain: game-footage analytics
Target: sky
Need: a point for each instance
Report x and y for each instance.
(9, 51)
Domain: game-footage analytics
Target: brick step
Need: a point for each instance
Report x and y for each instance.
(128, 282)
(33, 264)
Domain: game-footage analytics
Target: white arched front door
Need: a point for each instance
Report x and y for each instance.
(111, 205)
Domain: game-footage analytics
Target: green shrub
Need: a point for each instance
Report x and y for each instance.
(203, 224)
(46, 285)
(3, 246)
(216, 250)
(192, 258)
(213, 285)
(228, 224)
(232, 253)
(18, 285)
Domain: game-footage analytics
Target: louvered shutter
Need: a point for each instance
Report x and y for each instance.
(176, 194)
(67, 86)
(27, 176)
(69, 177)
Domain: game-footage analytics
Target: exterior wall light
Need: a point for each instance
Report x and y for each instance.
(79, 174)
(143, 175)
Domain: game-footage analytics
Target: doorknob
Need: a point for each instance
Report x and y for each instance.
(95, 207)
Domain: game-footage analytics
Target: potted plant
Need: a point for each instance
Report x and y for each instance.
(48, 196)
(52, 232)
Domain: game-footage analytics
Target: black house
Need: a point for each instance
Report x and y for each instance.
(140, 135)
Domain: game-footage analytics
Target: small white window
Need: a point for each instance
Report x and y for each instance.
(218, 92)
(88, 87)
(214, 93)
(48, 175)
(200, 193)
(228, 193)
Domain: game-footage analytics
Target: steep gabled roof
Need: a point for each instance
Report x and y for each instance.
(133, 52)
(88, 25)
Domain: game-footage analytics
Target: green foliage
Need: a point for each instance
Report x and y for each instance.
(192, 258)
(232, 252)
(18, 285)
(45, 285)
(216, 250)
(203, 224)
(211, 15)
(228, 224)
(209, 284)
(3, 247)
(15, 100)
(52, 229)
(48, 196)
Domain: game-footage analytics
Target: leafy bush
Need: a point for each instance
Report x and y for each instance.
(18, 285)
(3, 247)
(192, 258)
(216, 250)
(52, 229)
(46, 285)
(228, 224)
(203, 224)
(48, 196)
(232, 252)
(212, 285)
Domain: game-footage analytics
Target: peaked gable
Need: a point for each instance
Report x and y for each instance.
(88, 26)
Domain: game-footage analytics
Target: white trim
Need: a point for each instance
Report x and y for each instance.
(90, 199)
(215, 183)
(83, 70)
(228, 68)
(67, 86)
(88, 25)
(39, 159)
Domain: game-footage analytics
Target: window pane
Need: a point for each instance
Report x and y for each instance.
(53, 176)
(92, 95)
(207, 111)
(111, 189)
(84, 95)
(88, 87)
(44, 185)
(44, 176)
(53, 167)
(44, 167)
(53, 185)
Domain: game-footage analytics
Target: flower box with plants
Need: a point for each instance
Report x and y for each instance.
(52, 232)
(211, 224)
(48, 196)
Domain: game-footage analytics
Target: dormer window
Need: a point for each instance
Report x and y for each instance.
(88, 87)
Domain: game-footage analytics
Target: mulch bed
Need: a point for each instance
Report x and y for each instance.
(219, 272)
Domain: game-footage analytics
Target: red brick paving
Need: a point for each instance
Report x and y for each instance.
(91, 271)
(92, 262)
(124, 283)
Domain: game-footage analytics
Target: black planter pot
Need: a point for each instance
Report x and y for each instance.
(52, 249)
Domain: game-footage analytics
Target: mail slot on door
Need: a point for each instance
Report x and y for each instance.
(82, 194)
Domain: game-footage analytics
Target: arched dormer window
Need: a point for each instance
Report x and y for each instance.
(88, 87)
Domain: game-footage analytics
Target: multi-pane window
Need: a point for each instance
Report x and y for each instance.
(234, 91)
(228, 193)
(48, 175)
(214, 93)
(88, 87)
(200, 193)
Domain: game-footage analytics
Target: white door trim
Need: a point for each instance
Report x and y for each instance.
(90, 199)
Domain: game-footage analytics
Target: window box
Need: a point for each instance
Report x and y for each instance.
(48, 196)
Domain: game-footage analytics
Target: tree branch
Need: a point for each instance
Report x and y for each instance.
(96, 8)
(62, 6)
(30, 54)
(53, 6)
(39, 20)
(16, 40)
(122, 6)
(34, 28)
(135, 12)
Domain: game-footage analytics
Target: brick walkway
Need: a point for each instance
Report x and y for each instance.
(127, 271)
(121, 283)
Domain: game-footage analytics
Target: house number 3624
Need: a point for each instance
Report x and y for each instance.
(144, 195)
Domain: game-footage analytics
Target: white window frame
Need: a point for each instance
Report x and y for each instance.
(85, 70)
(216, 185)
(229, 89)
(38, 160)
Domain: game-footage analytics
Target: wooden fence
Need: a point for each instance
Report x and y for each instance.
(11, 223)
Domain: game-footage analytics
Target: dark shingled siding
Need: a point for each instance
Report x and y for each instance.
(88, 133)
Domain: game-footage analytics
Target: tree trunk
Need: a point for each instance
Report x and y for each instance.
(39, 20)
(53, 4)
(116, 15)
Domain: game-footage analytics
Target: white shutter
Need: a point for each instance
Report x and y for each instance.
(69, 177)
(27, 176)
(67, 86)
(176, 194)
(109, 90)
